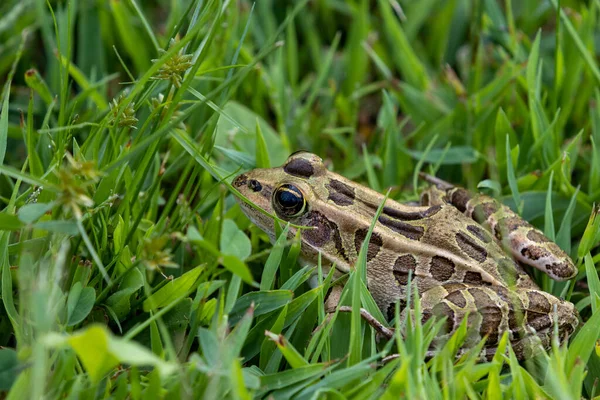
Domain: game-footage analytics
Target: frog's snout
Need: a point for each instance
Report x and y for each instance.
(240, 181)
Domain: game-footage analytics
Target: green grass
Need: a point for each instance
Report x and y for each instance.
(127, 270)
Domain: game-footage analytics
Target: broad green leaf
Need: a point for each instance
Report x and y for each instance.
(234, 242)
(237, 267)
(173, 290)
(66, 227)
(79, 303)
(100, 352)
(9, 222)
(9, 368)
(264, 302)
(30, 213)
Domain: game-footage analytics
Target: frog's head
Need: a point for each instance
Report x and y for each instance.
(285, 191)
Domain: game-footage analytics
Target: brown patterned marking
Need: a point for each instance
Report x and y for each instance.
(340, 193)
(490, 324)
(323, 231)
(457, 298)
(413, 232)
(410, 215)
(533, 252)
(441, 310)
(441, 268)
(482, 212)
(402, 267)
(391, 309)
(299, 167)
(459, 198)
(538, 321)
(481, 298)
(538, 302)
(425, 199)
(474, 278)
(480, 233)
(537, 236)
(374, 244)
(561, 269)
(337, 240)
(472, 248)
(240, 180)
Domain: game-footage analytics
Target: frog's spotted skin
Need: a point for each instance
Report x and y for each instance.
(459, 267)
(527, 244)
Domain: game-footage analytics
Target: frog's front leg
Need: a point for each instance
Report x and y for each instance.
(526, 243)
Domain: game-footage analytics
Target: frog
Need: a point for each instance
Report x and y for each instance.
(466, 253)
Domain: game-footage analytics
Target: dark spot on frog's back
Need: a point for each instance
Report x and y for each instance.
(402, 268)
(474, 278)
(441, 268)
(481, 298)
(457, 298)
(490, 324)
(410, 215)
(299, 167)
(470, 247)
(441, 310)
(480, 233)
(374, 244)
(414, 232)
(340, 193)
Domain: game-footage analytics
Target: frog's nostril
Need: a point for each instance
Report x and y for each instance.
(255, 185)
(240, 180)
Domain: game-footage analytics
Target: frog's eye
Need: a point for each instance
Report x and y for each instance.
(288, 201)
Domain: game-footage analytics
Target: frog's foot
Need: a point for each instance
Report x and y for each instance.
(526, 244)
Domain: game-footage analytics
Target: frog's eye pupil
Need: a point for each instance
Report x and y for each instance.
(288, 201)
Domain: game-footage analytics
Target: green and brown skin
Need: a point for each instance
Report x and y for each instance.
(452, 245)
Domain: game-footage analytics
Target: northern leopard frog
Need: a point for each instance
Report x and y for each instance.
(465, 252)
